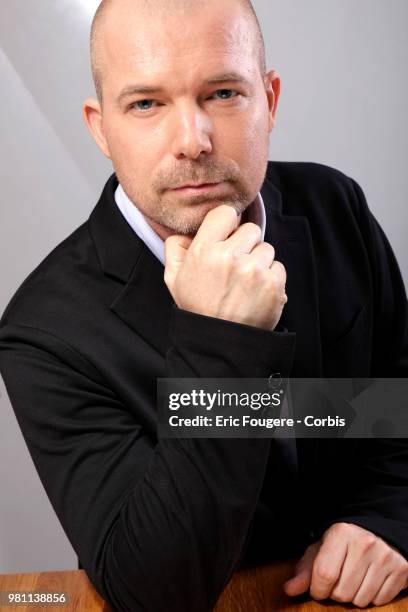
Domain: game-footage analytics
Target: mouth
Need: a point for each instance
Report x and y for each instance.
(197, 188)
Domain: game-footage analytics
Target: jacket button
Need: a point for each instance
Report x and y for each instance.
(275, 380)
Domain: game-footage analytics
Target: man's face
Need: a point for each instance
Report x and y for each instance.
(204, 119)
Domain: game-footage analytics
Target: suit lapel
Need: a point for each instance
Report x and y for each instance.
(291, 238)
(143, 301)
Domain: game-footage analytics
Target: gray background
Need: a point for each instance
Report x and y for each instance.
(344, 103)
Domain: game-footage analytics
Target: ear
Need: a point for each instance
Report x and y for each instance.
(93, 117)
(272, 88)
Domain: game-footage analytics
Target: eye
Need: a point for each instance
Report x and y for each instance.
(143, 105)
(226, 94)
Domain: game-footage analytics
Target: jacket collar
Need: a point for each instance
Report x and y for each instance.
(144, 302)
(116, 244)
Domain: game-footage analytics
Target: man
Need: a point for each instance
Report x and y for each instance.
(185, 108)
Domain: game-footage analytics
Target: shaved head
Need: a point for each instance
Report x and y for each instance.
(183, 99)
(107, 7)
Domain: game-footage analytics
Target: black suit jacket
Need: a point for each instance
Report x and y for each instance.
(161, 525)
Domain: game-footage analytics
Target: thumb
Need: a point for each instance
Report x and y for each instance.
(176, 247)
(300, 581)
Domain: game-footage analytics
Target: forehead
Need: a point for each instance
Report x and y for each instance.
(177, 45)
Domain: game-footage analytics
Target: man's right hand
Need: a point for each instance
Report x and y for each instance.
(226, 272)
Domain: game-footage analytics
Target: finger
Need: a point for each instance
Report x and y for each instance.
(327, 565)
(262, 255)
(175, 250)
(300, 582)
(279, 272)
(351, 577)
(372, 583)
(244, 239)
(391, 587)
(217, 225)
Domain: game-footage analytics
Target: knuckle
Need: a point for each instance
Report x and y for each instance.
(254, 228)
(249, 269)
(196, 251)
(324, 574)
(368, 543)
(267, 251)
(340, 528)
(385, 556)
(228, 257)
(278, 285)
(283, 299)
(269, 248)
(279, 269)
(401, 569)
(257, 270)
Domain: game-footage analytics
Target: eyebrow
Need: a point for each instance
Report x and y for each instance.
(230, 77)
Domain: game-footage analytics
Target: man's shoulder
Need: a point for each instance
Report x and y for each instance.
(284, 174)
(308, 188)
(61, 277)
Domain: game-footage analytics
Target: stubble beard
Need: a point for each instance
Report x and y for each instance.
(186, 218)
(184, 215)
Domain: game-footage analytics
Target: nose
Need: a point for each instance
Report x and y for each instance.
(192, 130)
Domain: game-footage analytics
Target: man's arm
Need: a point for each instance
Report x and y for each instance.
(156, 527)
(380, 500)
(361, 551)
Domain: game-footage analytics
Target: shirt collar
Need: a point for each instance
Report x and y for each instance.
(254, 213)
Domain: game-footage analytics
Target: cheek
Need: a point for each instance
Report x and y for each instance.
(250, 149)
(257, 127)
(131, 150)
(248, 131)
(248, 142)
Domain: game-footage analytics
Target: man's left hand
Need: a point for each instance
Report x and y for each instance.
(350, 564)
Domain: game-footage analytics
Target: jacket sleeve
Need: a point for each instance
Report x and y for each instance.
(157, 526)
(378, 500)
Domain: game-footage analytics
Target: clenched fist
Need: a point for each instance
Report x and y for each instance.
(350, 564)
(226, 272)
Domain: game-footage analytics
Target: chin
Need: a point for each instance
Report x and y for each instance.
(189, 221)
(190, 216)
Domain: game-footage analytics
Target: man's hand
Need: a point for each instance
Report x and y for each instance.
(350, 564)
(225, 272)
